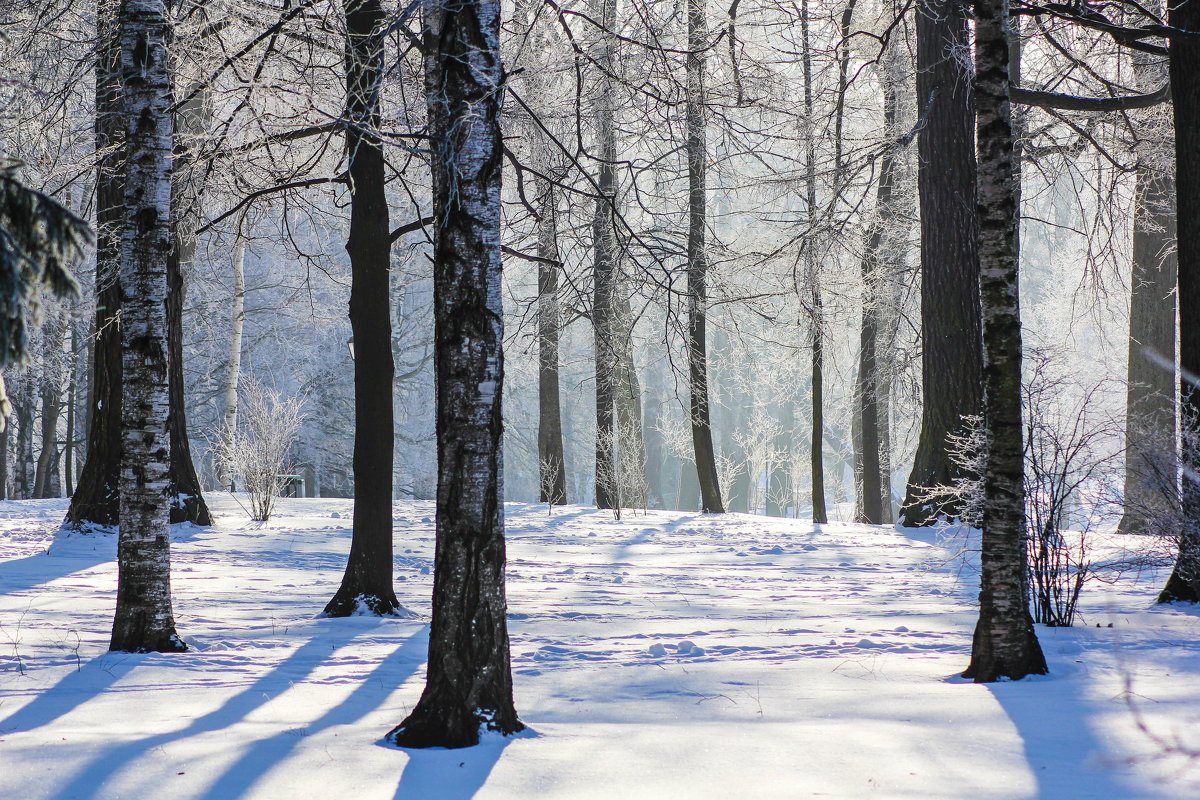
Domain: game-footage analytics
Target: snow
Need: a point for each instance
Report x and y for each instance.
(666, 655)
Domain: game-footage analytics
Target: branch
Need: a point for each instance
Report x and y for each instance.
(1071, 102)
(283, 187)
(409, 227)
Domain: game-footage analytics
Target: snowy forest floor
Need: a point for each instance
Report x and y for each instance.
(665, 655)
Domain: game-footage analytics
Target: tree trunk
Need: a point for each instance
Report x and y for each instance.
(50, 380)
(552, 467)
(1004, 644)
(72, 394)
(879, 270)
(469, 678)
(604, 269)
(1184, 60)
(144, 620)
(627, 395)
(816, 312)
(367, 582)
(235, 343)
(191, 125)
(95, 499)
(697, 270)
(1150, 430)
(951, 360)
(23, 414)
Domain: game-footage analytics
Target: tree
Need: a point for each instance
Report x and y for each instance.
(144, 620)
(552, 465)
(367, 581)
(605, 264)
(1004, 644)
(697, 158)
(951, 359)
(469, 678)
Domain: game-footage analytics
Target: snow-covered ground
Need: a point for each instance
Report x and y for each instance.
(662, 656)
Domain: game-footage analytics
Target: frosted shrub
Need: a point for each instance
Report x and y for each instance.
(257, 450)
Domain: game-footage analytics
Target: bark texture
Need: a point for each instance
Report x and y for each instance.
(469, 680)
(144, 620)
(367, 582)
(1184, 65)
(1004, 644)
(951, 361)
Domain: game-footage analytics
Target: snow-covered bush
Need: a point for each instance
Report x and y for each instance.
(257, 451)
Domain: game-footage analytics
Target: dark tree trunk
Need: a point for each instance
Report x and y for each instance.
(879, 268)
(96, 497)
(367, 582)
(1004, 644)
(72, 395)
(191, 124)
(552, 467)
(604, 269)
(697, 159)
(144, 620)
(951, 361)
(469, 679)
(816, 313)
(23, 413)
(4, 462)
(1184, 59)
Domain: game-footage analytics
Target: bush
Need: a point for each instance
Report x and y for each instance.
(258, 451)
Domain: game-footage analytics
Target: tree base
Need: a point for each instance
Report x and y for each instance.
(190, 508)
(168, 642)
(451, 728)
(359, 604)
(989, 666)
(1178, 590)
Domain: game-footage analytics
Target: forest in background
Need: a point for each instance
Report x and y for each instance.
(268, 121)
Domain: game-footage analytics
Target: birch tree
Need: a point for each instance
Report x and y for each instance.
(144, 619)
(1004, 644)
(468, 686)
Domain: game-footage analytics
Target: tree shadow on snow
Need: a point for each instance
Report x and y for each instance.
(76, 688)
(91, 779)
(452, 774)
(369, 696)
(1065, 757)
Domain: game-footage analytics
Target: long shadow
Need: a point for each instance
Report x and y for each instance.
(90, 780)
(1065, 758)
(23, 574)
(75, 689)
(451, 774)
(370, 694)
